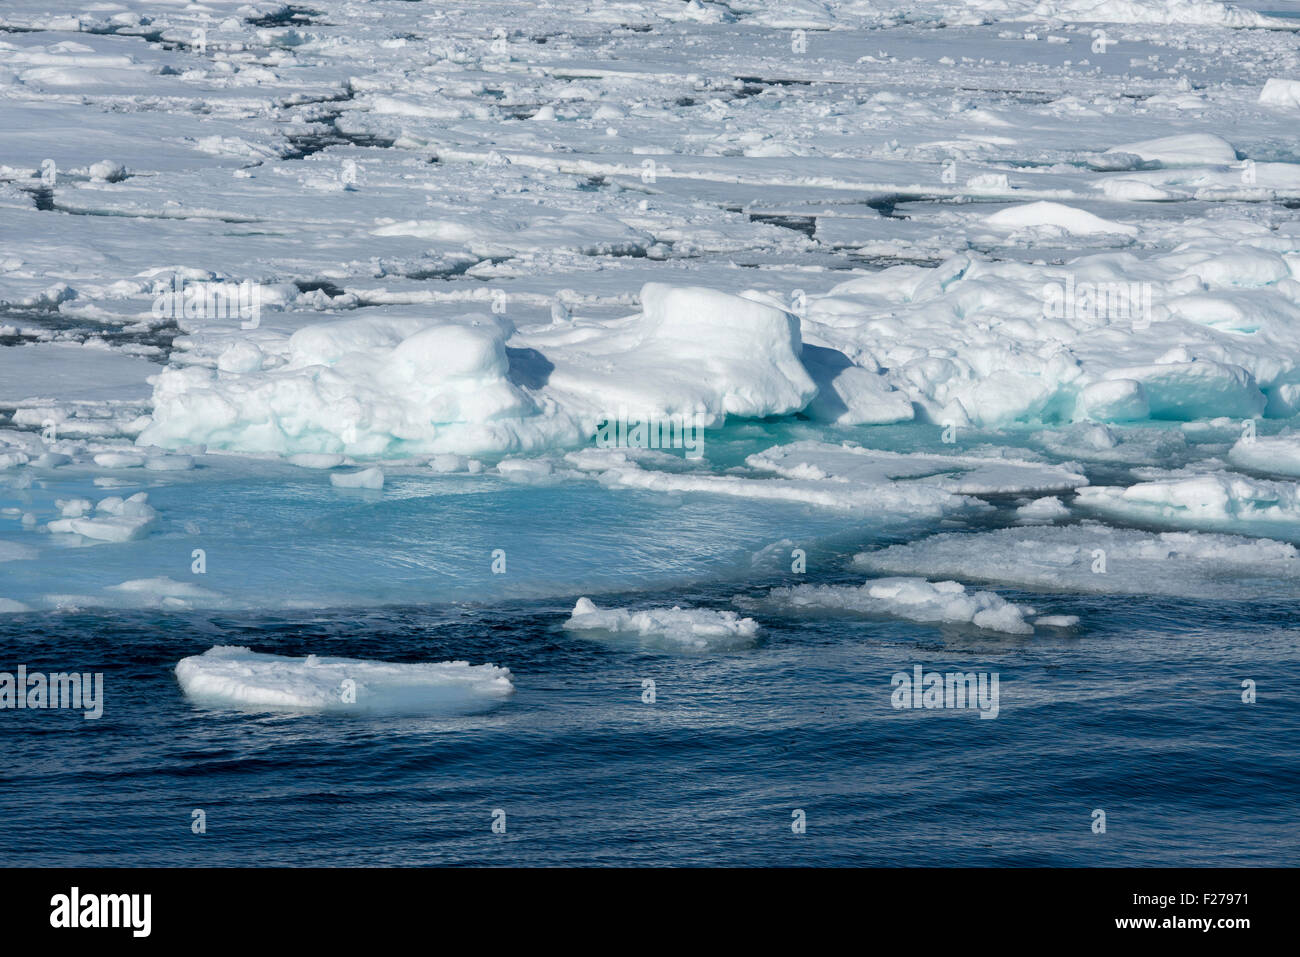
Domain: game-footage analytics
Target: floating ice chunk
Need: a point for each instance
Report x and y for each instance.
(1221, 501)
(364, 386)
(690, 628)
(1067, 219)
(73, 507)
(449, 462)
(1056, 621)
(119, 460)
(10, 607)
(228, 676)
(1279, 454)
(1188, 149)
(115, 520)
(1097, 559)
(106, 171)
(371, 478)
(1047, 509)
(912, 599)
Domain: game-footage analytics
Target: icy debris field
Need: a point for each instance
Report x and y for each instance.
(370, 303)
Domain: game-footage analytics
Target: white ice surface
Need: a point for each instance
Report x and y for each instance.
(913, 599)
(227, 676)
(681, 628)
(1095, 559)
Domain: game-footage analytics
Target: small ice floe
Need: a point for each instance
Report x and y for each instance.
(912, 599)
(696, 629)
(229, 676)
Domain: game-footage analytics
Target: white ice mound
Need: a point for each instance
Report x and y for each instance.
(690, 350)
(228, 676)
(1054, 216)
(396, 386)
(1279, 454)
(1203, 331)
(686, 628)
(1220, 501)
(364, 387)
(1188, 149)
(115, 520)
(1095, 559)
(912, 599)
(1282, 93)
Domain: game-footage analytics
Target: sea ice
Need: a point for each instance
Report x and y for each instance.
(1096, 559)
(676, 627)
(227, 676)
(913, 599)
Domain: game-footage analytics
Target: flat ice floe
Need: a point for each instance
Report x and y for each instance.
(1220, 501)
(227, 676)
(848, 465)
(696, 629)
(912, 599)
(1096, 559)
(846, 476)
(1279, 454)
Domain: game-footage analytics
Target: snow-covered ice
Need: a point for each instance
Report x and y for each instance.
(913, 599)
(1097, 559)
(233, 677)
(892, 282)
(681, 628)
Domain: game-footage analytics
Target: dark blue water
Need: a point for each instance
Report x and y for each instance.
(1138, 713)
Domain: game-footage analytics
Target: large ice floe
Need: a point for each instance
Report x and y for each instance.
(233, 677)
